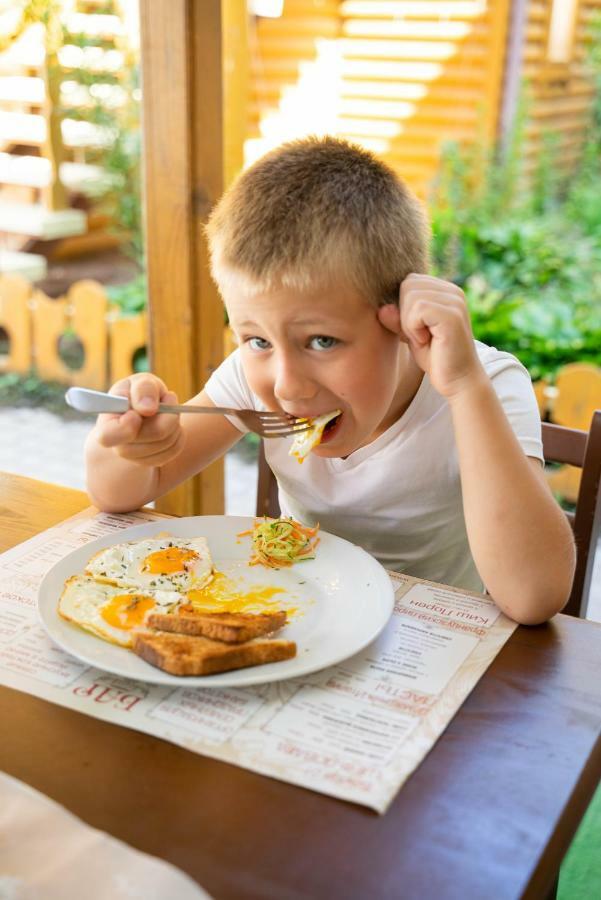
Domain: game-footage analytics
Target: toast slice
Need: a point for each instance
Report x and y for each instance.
(181, 654)
(229, 627)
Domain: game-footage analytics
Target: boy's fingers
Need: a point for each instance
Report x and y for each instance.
(416, 281)
(118, 429)
(431, 307)
(157, 429)
(425, 313)
(169, 397)
(161, 426)
(146, 394)
(143, 427)
(151, 453)
(121, 388)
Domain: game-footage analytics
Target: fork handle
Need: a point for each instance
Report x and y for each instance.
(172, 408)
(88, 401)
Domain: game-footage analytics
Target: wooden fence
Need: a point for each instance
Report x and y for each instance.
(571, 401)
(34, 324)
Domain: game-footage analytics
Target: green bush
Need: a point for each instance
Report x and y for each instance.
(28, 391)
(534, 288)
(532, 281)
(129, 297)
(526, 252)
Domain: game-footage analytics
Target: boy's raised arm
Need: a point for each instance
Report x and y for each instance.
(519, 537)
(520, 540)
(140, 455)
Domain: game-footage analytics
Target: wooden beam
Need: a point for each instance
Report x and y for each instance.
(55, 195)
(493, 78)
(186, 168)
(236, 84)
(513, 71)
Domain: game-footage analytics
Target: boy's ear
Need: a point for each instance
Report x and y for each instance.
(389, 317)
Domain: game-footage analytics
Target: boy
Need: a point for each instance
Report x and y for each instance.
(435, 464)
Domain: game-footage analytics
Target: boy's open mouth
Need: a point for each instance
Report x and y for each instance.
(330, 429)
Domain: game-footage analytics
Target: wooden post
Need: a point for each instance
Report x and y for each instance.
(54, 194)
(513, 70)
(236, 81)
(498, 24)
(185, 166)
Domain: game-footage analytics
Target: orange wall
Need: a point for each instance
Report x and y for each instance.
(402, 78)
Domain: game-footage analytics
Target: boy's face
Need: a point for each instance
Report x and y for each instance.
(324, 349)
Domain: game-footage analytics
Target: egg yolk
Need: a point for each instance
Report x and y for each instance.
(222, 595)
(167, 561)
(126, 610)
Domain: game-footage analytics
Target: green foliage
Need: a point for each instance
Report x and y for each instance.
(527, 252)
(533, 286)
(114, 104)
(583, 201)
(29, 391)
(120, 191)
(129, 297)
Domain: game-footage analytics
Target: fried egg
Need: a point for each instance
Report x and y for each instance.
(164, 563)
(305, 441)
(109, 612)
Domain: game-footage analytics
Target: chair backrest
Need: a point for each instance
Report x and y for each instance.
(267, 489)
(582, 449)
(562, 445)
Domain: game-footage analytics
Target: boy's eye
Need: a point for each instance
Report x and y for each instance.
(257, 343)
(322, 342)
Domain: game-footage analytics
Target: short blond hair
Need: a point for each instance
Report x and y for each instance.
(315, 210)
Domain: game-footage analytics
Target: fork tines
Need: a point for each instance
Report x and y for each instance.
(281, 429)
(282, 416)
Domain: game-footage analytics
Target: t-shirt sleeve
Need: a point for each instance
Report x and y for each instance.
(513, 387)
(227, 386)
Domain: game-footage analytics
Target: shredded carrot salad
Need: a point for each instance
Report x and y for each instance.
(281, 542)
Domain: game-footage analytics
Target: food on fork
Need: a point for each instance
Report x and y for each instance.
(281, 542)
(109, 612)
(228, 627)
(165, 563)
(305, 441)
(181, 654)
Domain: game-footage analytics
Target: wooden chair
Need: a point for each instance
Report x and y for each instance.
(583, 449)
(562, 445)
(267, 489)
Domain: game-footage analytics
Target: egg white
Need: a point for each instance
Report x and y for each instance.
(305, 441)
(83, 601)
(124, 564)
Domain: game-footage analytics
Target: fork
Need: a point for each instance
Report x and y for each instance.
(265, 424)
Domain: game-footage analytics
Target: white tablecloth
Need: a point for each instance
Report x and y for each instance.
(46, 853)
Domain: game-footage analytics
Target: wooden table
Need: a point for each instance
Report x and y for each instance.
(489, 813)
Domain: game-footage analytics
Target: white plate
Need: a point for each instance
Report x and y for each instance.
(344, 599)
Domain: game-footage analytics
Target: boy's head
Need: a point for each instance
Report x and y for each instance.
(318, 210)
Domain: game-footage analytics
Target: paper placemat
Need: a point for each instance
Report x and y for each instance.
(47, 852)
(354, 731)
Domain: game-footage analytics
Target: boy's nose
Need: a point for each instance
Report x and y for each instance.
(292, 384)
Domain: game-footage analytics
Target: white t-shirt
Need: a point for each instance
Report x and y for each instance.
(399, 497)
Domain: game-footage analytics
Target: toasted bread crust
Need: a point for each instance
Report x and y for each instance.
(181, 654)
(229, 627)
